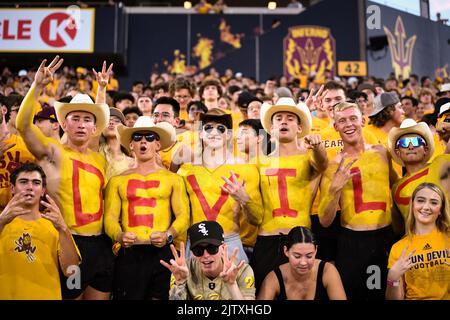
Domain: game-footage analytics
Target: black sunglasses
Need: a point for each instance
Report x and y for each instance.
(150, 137)
(209, 127)
(199, 250)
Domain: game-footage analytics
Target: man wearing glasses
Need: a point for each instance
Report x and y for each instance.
(146, 207)
(222, 188)
(182, 90)
(167, 110)
(210, 274)
(411, 146)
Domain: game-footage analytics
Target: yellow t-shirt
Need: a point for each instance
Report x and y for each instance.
(333, 143)
(429, 279)
(144, 204)
(287, 189)
(440, 170)
(200, 287)
(318, 124)
(439, 147)
(209, 202)
(189, 138)
(167, 155)
(366, 197)
(12, 159)
(29, 266)
(184, 115)
(237, 118)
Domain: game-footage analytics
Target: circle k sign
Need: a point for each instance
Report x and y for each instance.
(57, 29)
(47, 30)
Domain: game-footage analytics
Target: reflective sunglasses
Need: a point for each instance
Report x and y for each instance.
(415, 141)
(150, 137)
(199, 250)
(209, 127)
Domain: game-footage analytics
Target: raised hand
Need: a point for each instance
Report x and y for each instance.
(235, 189)
(53, 213)
(44, 75)
(342, 175)
(13, 209)
(313, 141)
(103, 76)
(314, 101)
(178, 265)
(230, 269)
(403, 264)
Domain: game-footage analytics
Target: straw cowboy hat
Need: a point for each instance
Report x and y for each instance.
(287, 105)
(409, 126)
(165, 131)
(84, 103)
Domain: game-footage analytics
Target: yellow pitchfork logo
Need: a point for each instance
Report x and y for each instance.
(401, 51)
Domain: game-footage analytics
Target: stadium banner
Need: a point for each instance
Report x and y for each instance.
(69, 29)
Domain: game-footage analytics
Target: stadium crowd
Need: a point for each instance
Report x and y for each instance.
(215, 186)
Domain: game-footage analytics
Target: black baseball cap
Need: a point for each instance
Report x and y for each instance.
(208, 232)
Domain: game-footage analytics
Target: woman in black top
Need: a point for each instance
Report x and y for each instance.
(304, 277)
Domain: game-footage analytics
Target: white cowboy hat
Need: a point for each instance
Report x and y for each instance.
(409, 126)
(165, 131)
(84, 103)
(444, 87)
(287, 105)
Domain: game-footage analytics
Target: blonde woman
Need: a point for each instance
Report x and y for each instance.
(419, 264)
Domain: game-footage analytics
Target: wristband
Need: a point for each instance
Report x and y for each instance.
(393, 283)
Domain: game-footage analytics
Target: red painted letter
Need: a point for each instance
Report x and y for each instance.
(282, 191)
(360, 205)
(405, 200)
(81, 217)
(210, 213)
(134, 201)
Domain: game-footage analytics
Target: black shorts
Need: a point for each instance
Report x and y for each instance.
(96, 268)
(139, 275)
(326, 238)
(361, 260)
(267, 255)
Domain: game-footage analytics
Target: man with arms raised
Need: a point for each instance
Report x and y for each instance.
(76, 178)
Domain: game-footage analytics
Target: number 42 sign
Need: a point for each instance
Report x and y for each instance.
(352, 68)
